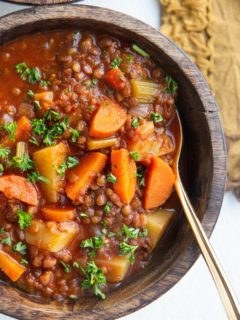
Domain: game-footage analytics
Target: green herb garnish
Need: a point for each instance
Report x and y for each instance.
(107, 207)
(116, 63)
(135, 122)
(24, 219)
(7, 241)
(75, 135)
(4, 152)
(36, 176)
(23, 163)
(94, 81)
(111, 178)
(24, 71)
(94, 277)
(156, 117)
(10, 128)
(141, 176)
(66, 267)
(24, 262)
(70, 163)
(172, 85)
(135, 155)
(1, 168)
(45, 83)
(20, 248)
(127, 249)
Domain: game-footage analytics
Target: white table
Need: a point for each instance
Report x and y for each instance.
(195, 296)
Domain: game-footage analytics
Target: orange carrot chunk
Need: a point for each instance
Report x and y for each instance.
(115, 78)
(24, 129)
(22, 133)
(17, 187)
(84, 174)
(108, 119)
(124, 169)
(10, 266)
(159, 183)
(57, 214)
(145, 130)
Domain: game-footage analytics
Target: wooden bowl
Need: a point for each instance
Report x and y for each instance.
(204, 159)
(41, 2)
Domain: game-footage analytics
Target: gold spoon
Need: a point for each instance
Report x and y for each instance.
(226, 293)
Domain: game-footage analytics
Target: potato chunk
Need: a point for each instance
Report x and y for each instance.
(51, 236)
(47, 161)
(117, 267)
(157, 223)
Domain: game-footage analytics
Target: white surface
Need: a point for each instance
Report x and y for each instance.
(195, 296)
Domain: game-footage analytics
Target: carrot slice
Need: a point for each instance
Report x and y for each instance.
(108, 119)
(85, 172)
(115, 78)
(124, 169)
(57, 214)
(17, 187)
(22, 133)
(10, 266)
(159, 183)
(145, 130)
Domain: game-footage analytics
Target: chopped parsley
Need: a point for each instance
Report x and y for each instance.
(30, 94)
(37, 105)
(24, 219)
(7, 241)
(10, 128)
(156, 117)
(111, 178)
(93, 243)
(172, 85)
(143, 233)
(135, 122)
(94, 81)
(70, 163)
(140, 51)
(116, 63)
(45, 83)
(34, 141)
(130, 233)
(24, 262)
(23, 163)
(20, 248)
(83, 215)
(91, 108)
(129, 58)
(52, 115)
(4, 152)
(135, 155)
(1, 168)
(36, 176)
(127, 249)
(141, 175)
(2, 230)
(107, 207)
(75, 135)
(24, 71)
(94, 277)
(66, 267)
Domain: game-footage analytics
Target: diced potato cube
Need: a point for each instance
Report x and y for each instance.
(94, 144)
(117, 267)
(157, 223)
(47, 161)
(51, 236)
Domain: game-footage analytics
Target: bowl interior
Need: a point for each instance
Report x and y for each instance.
(202, 163)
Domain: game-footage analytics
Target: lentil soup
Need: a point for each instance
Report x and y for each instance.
(87, 142)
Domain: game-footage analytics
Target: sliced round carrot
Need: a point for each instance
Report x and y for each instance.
(108, 119)
(58, 214)
(17, 187)
(159, 182)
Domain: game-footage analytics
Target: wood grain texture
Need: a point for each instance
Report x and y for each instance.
(41, 2)
(204, 164)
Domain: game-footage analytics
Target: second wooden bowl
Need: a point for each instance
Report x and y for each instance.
(204, 155)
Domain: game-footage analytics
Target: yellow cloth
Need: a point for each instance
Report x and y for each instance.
(209, 31)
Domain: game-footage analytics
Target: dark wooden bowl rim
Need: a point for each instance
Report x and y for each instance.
(13, 302)
(42, 2)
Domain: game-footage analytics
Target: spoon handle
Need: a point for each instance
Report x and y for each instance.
(226, 293)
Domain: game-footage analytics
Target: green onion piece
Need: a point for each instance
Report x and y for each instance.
(140, 51)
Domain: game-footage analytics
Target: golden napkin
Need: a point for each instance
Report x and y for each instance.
(209, 31)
